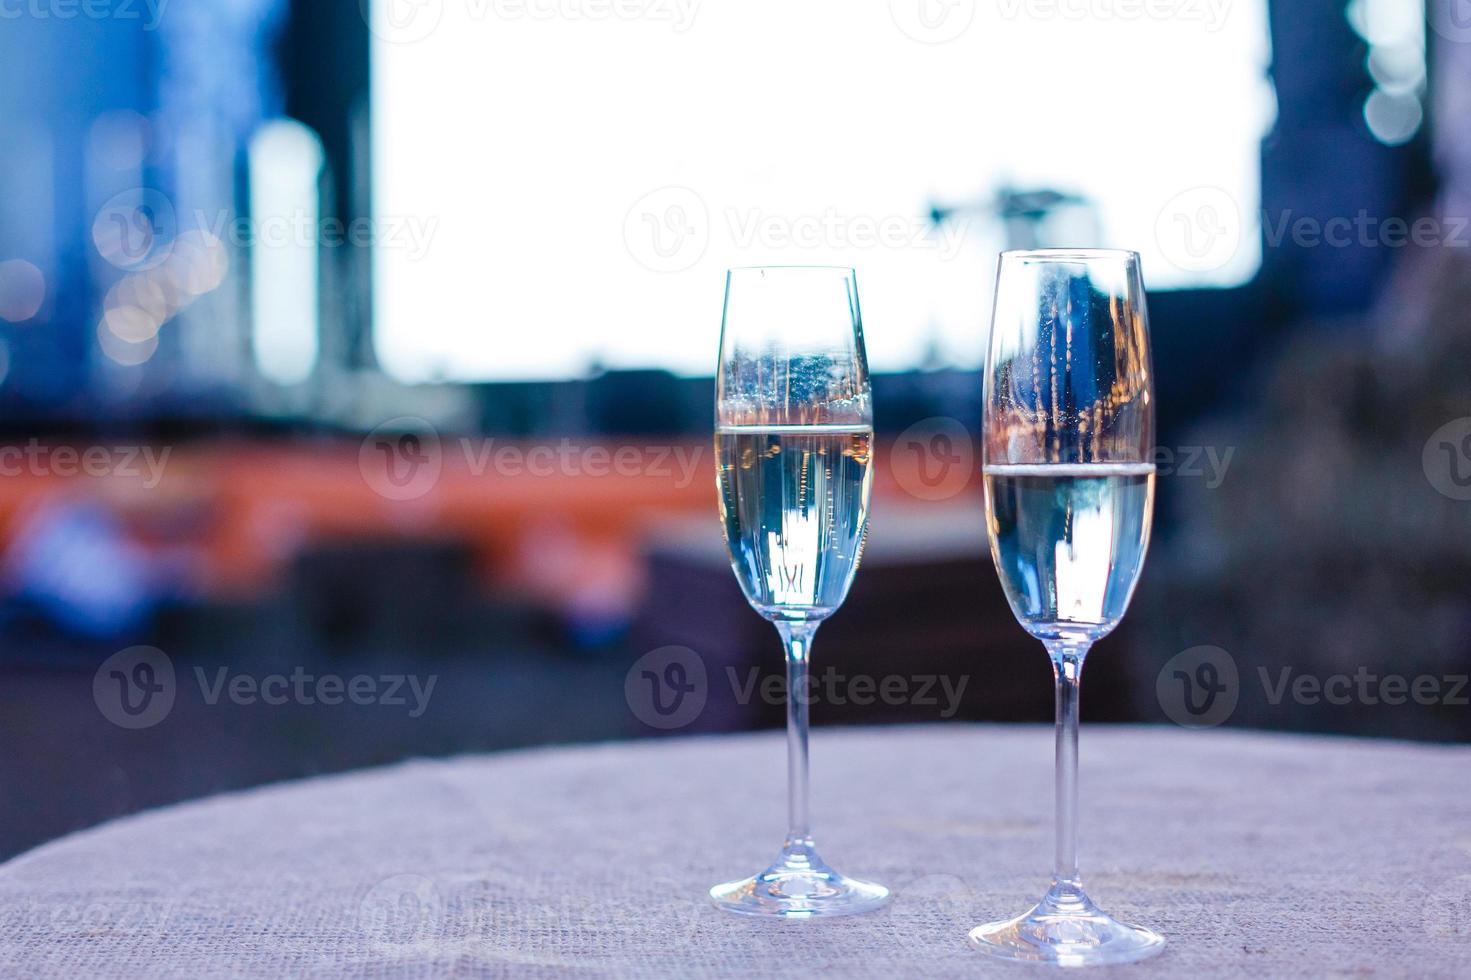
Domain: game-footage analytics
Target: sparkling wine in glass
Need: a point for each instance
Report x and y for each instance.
(794, 468)
(1068, 439)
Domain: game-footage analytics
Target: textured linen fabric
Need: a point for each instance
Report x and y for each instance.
(1255, 855)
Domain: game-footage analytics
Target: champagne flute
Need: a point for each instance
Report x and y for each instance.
(794, 455)
(1068, 439)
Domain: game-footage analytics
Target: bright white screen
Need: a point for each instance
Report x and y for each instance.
(560, 184)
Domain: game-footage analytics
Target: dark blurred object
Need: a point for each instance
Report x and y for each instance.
(926, 615)
(1322, 162)
(639, 402)
(366, 594)
(1331, 546)
(1041, 218)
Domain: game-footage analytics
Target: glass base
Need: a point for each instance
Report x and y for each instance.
(799, 886)
(1066, 929)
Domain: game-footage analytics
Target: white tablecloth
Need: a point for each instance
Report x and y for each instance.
(1255, 855)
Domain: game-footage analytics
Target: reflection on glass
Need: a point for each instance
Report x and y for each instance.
(1069, 433)
(794, 454)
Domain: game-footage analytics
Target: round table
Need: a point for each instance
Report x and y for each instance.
(1255, 855)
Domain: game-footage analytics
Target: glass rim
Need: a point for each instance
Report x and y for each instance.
(1070, 254)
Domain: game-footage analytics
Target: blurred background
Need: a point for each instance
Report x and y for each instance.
(355, 358)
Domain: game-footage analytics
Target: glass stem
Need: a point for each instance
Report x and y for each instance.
(1067, 669)
(798, 638)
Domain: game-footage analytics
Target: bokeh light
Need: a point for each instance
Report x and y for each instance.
(148, 292)
(22, 290)
(1395, 32)
(286, 160)
(1400, 68)
(132, 325)
(197, 264)
(1393, 118)
(121, 351)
